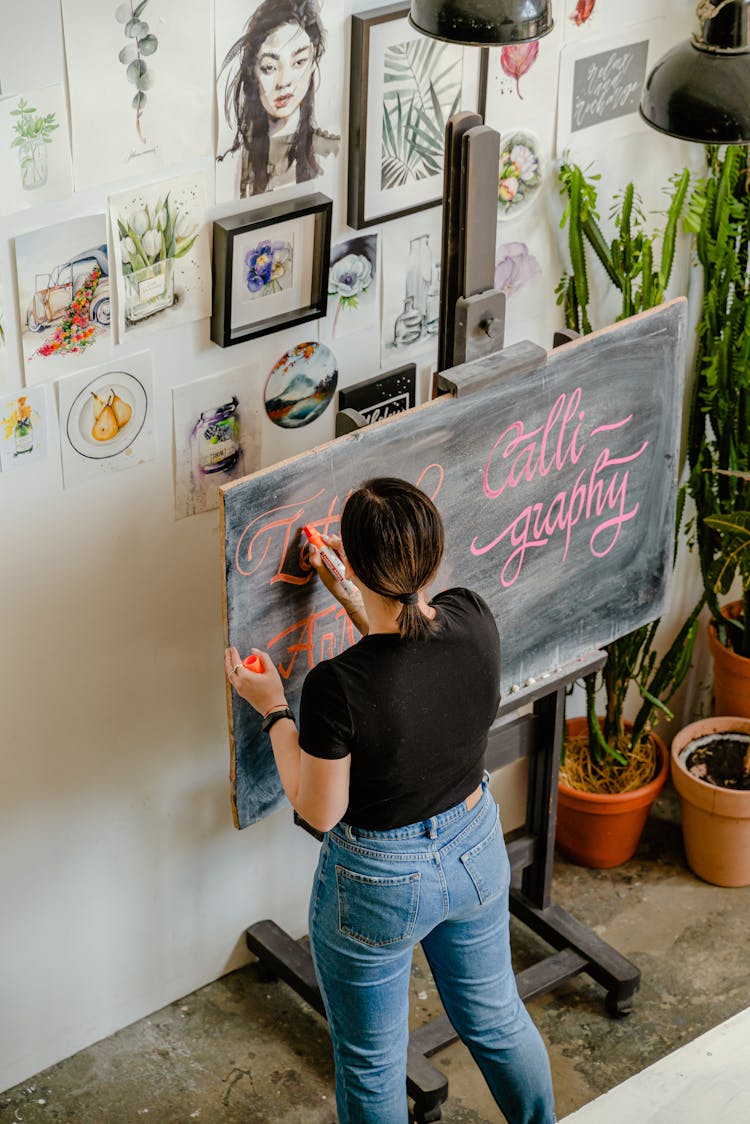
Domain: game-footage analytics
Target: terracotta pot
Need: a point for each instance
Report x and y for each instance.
(600, 830)
(715, 821)
(731, 671)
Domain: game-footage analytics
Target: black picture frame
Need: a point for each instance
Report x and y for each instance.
(361, 210)
(317, 209)
(383, 395)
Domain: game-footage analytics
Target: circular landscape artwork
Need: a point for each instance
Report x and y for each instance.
(301, 385)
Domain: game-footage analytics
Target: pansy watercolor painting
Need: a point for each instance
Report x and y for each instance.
(268, 268)
(520, 174)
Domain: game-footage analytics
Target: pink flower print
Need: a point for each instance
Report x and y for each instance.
(517, 59)
(515, 267)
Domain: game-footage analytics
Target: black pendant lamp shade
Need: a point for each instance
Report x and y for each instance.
(482, 23)
(700, 90)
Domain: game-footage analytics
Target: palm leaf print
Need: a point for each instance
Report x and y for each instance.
(422, 88)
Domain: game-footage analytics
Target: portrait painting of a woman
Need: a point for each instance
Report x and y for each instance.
(271, 75)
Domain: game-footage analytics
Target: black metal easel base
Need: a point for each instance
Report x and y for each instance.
(578, 950)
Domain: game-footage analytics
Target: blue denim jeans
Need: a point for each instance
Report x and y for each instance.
(443, 882)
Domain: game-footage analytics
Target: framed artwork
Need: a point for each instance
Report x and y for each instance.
(383, 395)
(403, 88)
(270, 269)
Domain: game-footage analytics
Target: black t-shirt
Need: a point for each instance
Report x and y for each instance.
(413, 714)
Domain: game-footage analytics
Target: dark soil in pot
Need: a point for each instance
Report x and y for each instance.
(722, 760)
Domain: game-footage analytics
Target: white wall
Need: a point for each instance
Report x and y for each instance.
(123, 883)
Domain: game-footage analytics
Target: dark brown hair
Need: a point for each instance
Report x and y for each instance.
(393, 537)
(242, 97)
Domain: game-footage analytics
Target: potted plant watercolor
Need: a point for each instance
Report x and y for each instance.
(33, 132)
(718, 214)
(612, 768)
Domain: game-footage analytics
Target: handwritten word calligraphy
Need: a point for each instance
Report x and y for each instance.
(597, 497)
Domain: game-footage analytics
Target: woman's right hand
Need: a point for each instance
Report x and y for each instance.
(340, 591)
(346, 593)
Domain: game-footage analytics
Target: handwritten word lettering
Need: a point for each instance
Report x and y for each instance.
(316, 642)
(598, 497)
(276, 530)
(608, 85)
(527, 455)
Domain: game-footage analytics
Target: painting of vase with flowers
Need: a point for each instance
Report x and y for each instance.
(161, 253)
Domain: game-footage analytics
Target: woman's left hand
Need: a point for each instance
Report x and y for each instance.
(264, 691)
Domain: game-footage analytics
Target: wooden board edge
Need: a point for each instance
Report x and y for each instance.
(227, 684)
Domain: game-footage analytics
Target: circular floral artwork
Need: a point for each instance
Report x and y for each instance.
(300, 385)
(520, 174)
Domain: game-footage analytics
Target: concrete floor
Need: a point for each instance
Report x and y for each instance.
(241, 1051)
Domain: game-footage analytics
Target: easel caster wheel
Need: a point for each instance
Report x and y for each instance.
(428, 1116)
(265, 972)
(616, 1007)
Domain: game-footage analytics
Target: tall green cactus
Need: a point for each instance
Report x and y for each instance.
(719, 429)
(629, 262)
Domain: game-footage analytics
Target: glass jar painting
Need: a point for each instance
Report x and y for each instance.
(216, 436)
(408, 326)
(32, 156)
(23, 436)
(149, 290)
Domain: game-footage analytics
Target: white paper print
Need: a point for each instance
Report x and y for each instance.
(139, 75)
(411, 286)
(609, 17)
(353, 287)
(279, 67)
(3, 338)
(63, 297)
(216, 436)
(162, 256)
(24, 424)
(31, 43)
(106, 418)
(34, 149)
(522, 81)
(601, 82)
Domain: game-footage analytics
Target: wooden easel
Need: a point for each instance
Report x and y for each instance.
(517, 733)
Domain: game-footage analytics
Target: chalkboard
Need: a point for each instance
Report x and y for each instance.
(555, 474)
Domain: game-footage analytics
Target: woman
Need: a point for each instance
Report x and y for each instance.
(389, 762)
(270, 99)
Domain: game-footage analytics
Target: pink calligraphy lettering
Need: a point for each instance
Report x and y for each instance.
(598, 495)
(527, 456)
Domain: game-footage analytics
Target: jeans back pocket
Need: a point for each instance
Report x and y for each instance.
(377, 911)
(487, 864)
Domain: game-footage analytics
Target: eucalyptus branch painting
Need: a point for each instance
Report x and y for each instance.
(422, 88)
(141, 43)
(139, 79)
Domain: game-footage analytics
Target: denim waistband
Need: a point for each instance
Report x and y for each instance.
(428, 828)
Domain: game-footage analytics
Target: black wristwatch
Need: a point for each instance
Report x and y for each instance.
(274, 716)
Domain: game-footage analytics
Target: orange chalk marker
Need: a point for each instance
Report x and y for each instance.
(331, 560)
(253, 663)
